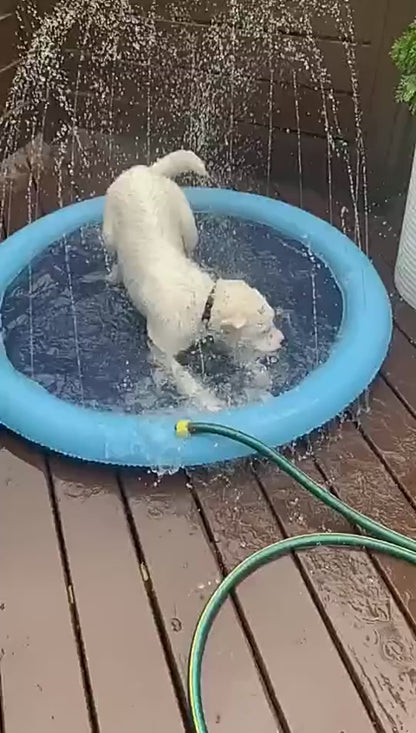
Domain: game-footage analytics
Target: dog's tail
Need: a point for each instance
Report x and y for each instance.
(180, 161)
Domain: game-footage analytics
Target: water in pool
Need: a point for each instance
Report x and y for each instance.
(82, 340)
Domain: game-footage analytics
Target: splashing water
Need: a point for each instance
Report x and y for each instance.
(143, 80)
(90, 345)
(107, 83)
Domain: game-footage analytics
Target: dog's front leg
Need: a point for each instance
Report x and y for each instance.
(259, 375)
(185, 383)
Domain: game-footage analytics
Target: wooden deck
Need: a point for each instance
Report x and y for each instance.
(103, 575)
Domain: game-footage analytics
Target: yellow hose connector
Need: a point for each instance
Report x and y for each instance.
(182, 428)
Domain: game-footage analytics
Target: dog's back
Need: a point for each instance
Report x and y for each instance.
(139, 207)
(146, 205)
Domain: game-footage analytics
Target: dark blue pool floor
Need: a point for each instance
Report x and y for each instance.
(81, 339)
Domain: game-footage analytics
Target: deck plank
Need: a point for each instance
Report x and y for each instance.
(404, 315)
(392, 431)
(103, 160)
(183, 573)
(287, 627)
(55, 186)
(399, 369)
(86, 169)
(377, 643)
(127, 666)
(19, 191)
(19, 204)
(41, 677)
(361, 480)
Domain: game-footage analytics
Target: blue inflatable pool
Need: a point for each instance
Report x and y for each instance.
(74, 375)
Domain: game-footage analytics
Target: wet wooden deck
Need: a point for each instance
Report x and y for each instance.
(103, 575)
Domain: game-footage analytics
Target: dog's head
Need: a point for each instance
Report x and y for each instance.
(244, 319)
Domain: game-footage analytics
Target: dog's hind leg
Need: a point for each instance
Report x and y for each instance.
(187, 225)
(114, 277)
(108, 233)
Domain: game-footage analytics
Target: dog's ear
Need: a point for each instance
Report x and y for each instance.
(234, 323)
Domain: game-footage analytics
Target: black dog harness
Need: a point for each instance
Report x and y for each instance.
(206, 314)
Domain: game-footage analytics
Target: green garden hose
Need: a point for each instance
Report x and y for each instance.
(383, 540)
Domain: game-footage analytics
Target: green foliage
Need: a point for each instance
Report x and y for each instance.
(403, 54)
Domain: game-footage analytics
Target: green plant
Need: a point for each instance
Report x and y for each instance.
(403, 54)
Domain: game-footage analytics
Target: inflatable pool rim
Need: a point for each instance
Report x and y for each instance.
(149, 440)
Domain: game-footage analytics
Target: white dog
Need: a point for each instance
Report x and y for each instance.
(150, 227)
